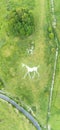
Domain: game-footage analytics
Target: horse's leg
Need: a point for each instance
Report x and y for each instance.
(25, 75)
(29, 74)
(37, 73)
(33, 75)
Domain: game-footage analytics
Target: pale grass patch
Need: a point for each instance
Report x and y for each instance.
(7, 51)
(12, 72)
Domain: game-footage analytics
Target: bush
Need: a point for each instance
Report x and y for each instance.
(49, 29)
(51, 33)
(21, 22)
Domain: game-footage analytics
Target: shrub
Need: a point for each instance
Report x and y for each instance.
(51, 33)
(49, 29)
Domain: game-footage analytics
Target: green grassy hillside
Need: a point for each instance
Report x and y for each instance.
(34, 92)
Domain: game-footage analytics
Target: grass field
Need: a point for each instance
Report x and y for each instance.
(13, 52)
(12, 119)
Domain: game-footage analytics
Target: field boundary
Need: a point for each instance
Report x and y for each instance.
(54, 22)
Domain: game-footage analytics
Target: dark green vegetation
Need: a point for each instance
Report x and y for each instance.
(13, 52)
(21, 22)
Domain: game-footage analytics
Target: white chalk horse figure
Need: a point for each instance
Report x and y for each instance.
(30, 70)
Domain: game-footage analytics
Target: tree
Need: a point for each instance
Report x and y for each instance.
(21, 22)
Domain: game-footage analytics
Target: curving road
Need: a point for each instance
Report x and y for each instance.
(21, 109)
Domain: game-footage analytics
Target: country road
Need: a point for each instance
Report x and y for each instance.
(21, 109)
